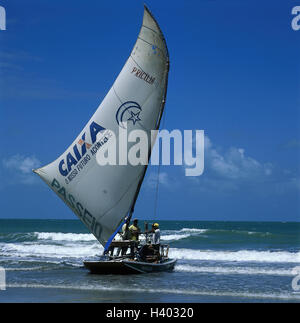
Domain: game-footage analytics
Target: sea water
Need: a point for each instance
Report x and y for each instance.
(216, 261)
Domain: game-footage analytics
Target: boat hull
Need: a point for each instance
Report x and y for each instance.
(126, 267)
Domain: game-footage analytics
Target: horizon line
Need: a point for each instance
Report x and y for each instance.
(59, 219)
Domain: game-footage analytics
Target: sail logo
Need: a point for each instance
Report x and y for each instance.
(79, 150)
(154, 49)
(296, 20)
(128, 111)
(143, 75)
(82, 143)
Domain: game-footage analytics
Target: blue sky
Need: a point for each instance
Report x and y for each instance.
(234, 73)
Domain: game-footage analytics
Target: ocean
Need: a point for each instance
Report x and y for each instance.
(216, 262)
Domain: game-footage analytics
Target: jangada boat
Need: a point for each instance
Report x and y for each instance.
(104, 196)
(131, 264)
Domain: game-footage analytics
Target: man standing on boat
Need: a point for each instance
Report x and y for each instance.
(134, 231)
(150, 252)
(155, 239)
(155, 234)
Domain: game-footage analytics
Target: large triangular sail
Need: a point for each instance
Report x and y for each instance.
(102, 196)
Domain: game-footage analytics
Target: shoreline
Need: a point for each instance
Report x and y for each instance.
(73, 295)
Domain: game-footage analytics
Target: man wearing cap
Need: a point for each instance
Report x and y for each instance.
(155, 234)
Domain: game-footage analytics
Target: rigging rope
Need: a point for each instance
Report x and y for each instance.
(158, 171)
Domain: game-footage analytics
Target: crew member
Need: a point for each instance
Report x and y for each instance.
(150, 252)
(125, 232)
(134, 230)
(155, 234)
(125, 236)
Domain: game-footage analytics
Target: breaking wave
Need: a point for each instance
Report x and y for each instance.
(234, 270)
(166, 235)
(236, 256)
(58, 236)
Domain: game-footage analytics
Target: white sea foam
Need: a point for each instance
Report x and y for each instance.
(233, 270)
(194, 230)
(77, 249)
(53, 251)
(237, 256)
(78, 245)
(87, 237)
(173, 237)
(78, 237)
(58, 236)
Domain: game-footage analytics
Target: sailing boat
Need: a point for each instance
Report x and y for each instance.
(103, 197)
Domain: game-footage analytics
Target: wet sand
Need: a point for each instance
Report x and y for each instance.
(55, 295)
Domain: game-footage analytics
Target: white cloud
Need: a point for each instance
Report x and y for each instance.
(21, 168)
(228, 170)
(234, 164)
(164, 180)
(21, 163)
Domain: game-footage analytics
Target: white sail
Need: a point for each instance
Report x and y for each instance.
(102, 196)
